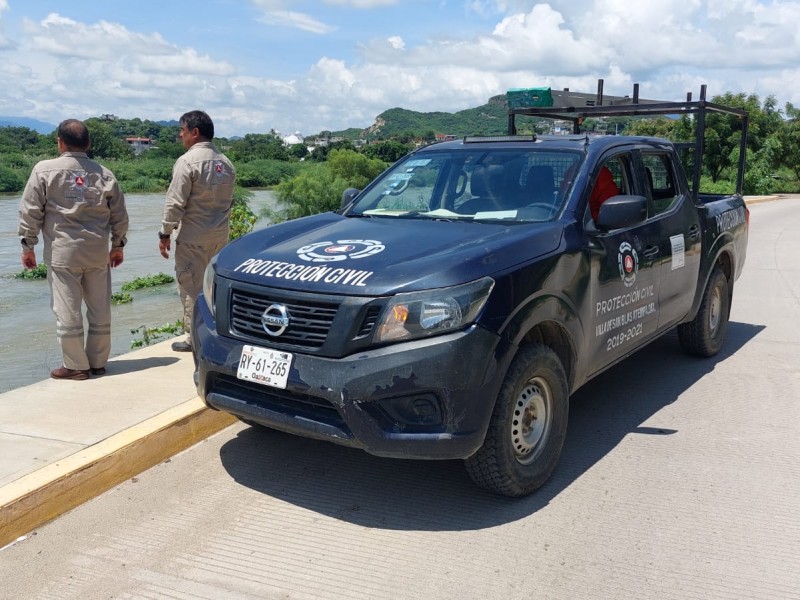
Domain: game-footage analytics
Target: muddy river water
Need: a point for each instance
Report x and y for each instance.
(28, 346)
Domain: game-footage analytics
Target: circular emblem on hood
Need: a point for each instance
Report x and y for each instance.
(275, 319)
(339, 250)
(628, 264)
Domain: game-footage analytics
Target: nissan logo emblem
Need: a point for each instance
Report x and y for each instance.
(275, 319)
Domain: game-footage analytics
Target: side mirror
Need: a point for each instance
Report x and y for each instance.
(348, 196)
(619, 212)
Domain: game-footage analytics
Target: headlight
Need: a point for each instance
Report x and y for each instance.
(208, 286)
(422, 314)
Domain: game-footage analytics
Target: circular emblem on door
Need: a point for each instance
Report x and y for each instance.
(628, 264)
(275, 319)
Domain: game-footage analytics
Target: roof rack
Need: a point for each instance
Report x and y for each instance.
(575, 107)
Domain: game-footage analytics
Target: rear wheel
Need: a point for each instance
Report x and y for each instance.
(527, 428)
(705, 334)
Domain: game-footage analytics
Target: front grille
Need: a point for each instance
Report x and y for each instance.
(309, 322)
(285, 402)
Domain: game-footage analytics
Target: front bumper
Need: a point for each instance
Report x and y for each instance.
(425, 399)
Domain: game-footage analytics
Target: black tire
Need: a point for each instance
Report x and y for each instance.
(527, 428)
(705, 334)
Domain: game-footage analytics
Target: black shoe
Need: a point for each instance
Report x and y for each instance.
(181, 347)
(98, 371)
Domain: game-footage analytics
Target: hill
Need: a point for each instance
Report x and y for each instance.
(489, 119)
(34, 124)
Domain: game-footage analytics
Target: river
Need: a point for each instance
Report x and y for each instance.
(28, 346)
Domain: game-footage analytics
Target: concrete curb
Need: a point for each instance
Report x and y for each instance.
(49, 492)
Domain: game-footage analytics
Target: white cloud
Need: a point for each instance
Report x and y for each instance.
(361, 3)
(668, 46)
(275, 12)
(396, 42)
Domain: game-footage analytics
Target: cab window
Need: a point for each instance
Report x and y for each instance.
(660, 181)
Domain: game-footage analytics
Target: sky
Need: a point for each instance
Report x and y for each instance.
(313, 65)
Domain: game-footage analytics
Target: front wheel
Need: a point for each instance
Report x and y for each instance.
(704, 335)
(527, 428)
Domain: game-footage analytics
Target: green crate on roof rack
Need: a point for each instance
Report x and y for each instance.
(529, 97)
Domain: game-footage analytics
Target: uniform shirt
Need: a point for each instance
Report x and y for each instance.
(199, 198)
(75, 204)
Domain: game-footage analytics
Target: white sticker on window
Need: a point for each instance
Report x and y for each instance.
(419, 162)
(678, 251)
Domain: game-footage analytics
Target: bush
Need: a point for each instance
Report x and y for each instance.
(10, 180)
(242, 218)
(264, 172)
(313, 191)
(141, 185)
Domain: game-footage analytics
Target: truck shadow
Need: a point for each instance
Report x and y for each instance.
(356, 487)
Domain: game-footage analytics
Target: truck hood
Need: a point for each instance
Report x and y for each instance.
(332, 254)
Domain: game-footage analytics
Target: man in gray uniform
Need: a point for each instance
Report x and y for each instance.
(198, 207)
(76, 204)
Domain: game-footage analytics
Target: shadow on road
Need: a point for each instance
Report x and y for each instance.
(356, 487)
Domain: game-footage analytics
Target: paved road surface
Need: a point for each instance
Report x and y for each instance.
(680, 479)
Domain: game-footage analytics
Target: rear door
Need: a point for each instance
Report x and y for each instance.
(679, 235)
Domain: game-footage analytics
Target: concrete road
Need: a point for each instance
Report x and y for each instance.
(680, 479)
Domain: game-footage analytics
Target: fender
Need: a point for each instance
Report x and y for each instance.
(722, 252)
(550, 319)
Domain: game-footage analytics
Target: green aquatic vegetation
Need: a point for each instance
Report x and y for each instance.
(39, 272)
(121, 298)
(151, 335)
(147, 281)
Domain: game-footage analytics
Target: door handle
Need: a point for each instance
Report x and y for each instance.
(694, 232)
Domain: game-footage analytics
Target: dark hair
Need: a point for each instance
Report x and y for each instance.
(200, 120)
(74, 134)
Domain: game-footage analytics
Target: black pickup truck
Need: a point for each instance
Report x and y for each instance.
(450, 308)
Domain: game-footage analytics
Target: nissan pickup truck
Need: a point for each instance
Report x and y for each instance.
(450, 308)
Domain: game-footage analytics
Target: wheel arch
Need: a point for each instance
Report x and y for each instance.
(551, 322)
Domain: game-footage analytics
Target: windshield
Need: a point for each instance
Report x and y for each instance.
(517, 184)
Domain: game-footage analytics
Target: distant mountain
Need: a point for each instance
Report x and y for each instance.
(36, 125)
(489, 119)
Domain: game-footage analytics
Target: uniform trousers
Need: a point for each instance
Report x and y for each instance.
(69, 289)
(191, 261)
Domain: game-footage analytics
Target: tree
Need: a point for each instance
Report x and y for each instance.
(298, 150)
(320, 153)
(313, 191)
(318, 188)
(724, 133)
(258, 145)
(789, 138)
(105, 144)
(388, 152)
(354, 168)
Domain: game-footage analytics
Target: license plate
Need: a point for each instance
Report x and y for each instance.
(264, 366)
